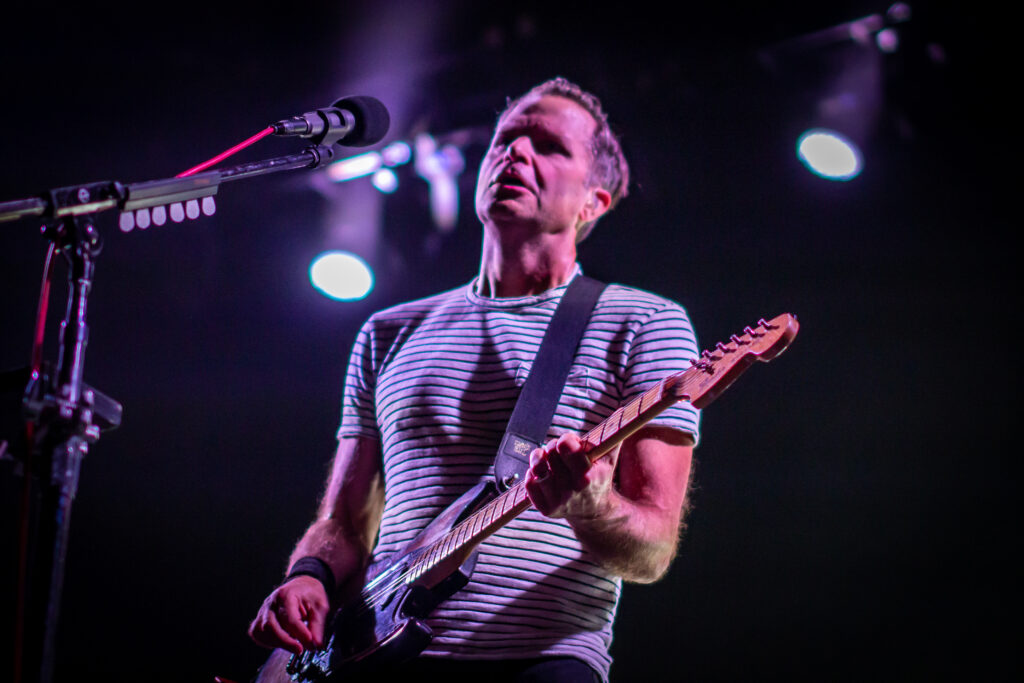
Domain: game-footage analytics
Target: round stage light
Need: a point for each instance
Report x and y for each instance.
(341, 276)
(828, 154)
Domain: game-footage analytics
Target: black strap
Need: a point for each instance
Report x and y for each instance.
(537, 402)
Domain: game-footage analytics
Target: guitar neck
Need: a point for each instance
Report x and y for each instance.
(456, 545)
(708, 377)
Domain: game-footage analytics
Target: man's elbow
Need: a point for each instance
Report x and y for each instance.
(649, 567)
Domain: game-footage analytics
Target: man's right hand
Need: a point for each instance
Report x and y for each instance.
(293, 616)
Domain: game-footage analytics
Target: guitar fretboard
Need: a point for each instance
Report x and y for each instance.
(702, 383)
(603, 438)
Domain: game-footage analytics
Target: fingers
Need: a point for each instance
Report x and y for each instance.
(564, 457)
(538, 464)
(315, 620)
(292, 617)
(558, 471)
(267, 631)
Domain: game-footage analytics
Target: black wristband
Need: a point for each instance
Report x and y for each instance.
(318, 569)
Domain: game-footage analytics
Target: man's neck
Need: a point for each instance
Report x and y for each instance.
(511, 268)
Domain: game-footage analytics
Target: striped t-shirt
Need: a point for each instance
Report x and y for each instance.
(435, 380)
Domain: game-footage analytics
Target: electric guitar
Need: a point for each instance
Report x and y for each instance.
(384, 623)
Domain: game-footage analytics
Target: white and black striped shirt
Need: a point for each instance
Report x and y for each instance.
(435, 380)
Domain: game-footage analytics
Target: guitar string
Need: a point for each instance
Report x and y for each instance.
(381, 593)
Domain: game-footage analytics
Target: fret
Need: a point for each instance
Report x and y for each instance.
(611, 425)
(520, 494)
(415, 570)
(632, 409)
(479, 521)
(447, 543)
(454, 545)
(652, 396)
(646, 397)
(430, 559)
(499, 509)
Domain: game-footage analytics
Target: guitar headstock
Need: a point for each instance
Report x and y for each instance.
(717, 368)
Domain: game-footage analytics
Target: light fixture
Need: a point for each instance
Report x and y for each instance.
(341, 275)
(829, 154)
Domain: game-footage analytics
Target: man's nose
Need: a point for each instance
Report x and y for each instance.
(519, 148)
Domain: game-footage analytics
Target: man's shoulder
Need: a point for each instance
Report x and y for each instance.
(449, 301)
(635, 301)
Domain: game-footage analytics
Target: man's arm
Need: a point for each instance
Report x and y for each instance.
(627, 507)
(343, 534)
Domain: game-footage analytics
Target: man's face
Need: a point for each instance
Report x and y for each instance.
(535, 173)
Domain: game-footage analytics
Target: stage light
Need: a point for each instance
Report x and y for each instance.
(354, 167)
(396, 154)
(341, 276)
(887, 40)
(829, 154)
(385, 180)
(440, 167)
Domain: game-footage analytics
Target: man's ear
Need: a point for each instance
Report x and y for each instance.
(598, 203)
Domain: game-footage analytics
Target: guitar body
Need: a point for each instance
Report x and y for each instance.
(383, 625)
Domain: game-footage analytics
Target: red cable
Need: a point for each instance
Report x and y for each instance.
(225, 154)
(26, 491)
(44, 300)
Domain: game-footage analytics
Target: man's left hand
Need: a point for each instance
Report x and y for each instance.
(562, 482)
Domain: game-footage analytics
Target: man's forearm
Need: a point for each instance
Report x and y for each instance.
(633, 540)
(346, 526)
(344, 552)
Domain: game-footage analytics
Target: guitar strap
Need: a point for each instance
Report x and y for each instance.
(535, 408)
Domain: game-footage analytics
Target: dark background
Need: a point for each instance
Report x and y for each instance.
(851, 513)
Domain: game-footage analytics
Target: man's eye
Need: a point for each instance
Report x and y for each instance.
(551, 147)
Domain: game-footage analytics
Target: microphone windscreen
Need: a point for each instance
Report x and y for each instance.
(371, 120)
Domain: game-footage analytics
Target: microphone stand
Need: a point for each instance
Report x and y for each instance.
(66, 414)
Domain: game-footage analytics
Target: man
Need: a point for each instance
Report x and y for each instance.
(431, 386)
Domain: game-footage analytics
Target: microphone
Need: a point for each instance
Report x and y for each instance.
(351, 121)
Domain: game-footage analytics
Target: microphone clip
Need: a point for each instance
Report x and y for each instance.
(351, 121)
(323, 126)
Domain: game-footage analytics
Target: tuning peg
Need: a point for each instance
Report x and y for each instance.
(159, 215)
(192, 209)
(209, 207)
(737, 340)
(142, 218)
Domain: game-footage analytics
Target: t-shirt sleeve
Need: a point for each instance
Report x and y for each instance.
(664, 343)
(358, 407)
